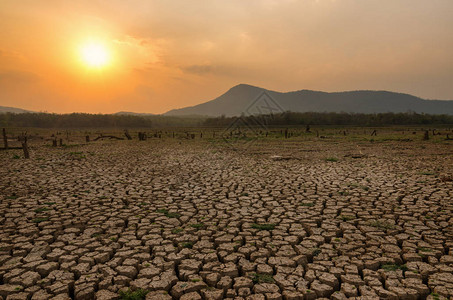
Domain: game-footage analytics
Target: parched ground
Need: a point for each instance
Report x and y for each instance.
(189, 220)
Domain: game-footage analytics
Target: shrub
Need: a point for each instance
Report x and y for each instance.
(262, 278)
(139, 294)
(394, 267)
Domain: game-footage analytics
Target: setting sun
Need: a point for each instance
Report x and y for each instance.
(94, 55)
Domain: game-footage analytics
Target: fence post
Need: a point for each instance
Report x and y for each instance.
(5, 138)
(128, 136)
(25, 148)
(426, 136)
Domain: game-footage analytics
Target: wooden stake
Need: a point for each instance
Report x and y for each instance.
(426, 136)
(25, 148)
(5, 138)
(128, 136)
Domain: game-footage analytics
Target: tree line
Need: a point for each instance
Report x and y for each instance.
(83, 120)
(331, 118)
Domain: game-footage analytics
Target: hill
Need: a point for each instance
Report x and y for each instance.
(242, 98)
(5, 109)
(129, 113)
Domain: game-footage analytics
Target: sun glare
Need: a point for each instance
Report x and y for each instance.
(94, 55)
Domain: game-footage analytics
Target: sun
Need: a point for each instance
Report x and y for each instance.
(94, 55)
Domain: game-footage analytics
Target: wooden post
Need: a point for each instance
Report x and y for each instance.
(128, 136)
(141, 136)
(54, 142)
(25, 148)
(286, 133)
(61, 142)
(5, 138)
(87, 138)
(426, 136)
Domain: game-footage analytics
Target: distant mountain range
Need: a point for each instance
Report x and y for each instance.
(244, 98)
(248, 99)
(5, 109)
(128, 113)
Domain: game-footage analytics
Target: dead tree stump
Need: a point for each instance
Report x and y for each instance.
(142, 136)
(25, 148)
(426, 136)
(128, 136)
(5, 138)
(87, 138)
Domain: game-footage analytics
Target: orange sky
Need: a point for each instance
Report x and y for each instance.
(169, 54)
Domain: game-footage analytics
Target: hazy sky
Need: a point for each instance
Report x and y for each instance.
(169, 54)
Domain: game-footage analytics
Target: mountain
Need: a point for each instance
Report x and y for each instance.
(247, 99)
(5, 109)
(129, 113)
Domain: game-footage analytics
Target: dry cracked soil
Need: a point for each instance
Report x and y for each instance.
(186, 220)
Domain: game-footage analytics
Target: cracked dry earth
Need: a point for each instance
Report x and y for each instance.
(182, 221)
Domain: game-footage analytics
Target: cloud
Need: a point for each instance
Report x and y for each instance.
(141, 48)
(230, 70)
(199, 69)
